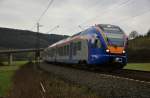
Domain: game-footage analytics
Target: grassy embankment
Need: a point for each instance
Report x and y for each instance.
(6, 73)
(27, 82)
(17, 83)
(138, 66)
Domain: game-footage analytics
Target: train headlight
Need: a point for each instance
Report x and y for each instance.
(123, 51)
(107, 50)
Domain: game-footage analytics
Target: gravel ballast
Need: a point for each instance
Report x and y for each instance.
(104, 85)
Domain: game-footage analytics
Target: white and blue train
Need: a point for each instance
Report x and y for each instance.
(102, 44)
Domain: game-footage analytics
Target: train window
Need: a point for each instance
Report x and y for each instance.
(58, 51)
(79, 46)
(51, 52)
(67, 49)
(74, 48)
(71, 48)
(99, 45)
(62, 51)
(55, 51)
(96, 43)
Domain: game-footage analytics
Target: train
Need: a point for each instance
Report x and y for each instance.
(100, 45)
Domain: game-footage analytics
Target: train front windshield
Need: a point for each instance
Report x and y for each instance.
(115, 36)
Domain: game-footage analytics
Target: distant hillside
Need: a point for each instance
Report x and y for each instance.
(139, 49)
(13, 38)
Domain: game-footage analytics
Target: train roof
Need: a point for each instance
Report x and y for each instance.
(77, 35)
(106, 25)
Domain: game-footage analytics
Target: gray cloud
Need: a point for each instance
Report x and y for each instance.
(23, 14)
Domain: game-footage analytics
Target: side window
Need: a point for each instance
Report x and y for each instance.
(99, 45)
(79, 45)
(52, 52)
(74, 49)
(61, 51)
(67, 49)
(64, 50)
(96, 43)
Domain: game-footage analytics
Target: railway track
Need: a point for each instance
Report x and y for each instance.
(116, 84)
(135, 75)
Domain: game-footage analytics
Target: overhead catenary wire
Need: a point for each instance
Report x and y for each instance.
(134, 16)
(44, 12)
(54, 28)
(49, 4)
(120, 4)
(107, 11)
(51, 1)
(37, 44)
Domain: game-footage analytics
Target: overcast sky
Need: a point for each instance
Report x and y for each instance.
(69, 14)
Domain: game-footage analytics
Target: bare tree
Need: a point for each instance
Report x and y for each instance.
(148, 33)
(133, 35)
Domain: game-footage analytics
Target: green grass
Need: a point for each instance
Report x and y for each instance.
(138, 66)
(5, 81)
(6, 73)
(16, 62)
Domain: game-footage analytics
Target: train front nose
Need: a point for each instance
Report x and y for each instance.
(116, 55)
(116, 59)
(115, 50)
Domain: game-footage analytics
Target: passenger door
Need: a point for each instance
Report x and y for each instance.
(95, 49)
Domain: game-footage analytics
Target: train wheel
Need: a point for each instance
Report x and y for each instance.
(83, 63)
(118, 66)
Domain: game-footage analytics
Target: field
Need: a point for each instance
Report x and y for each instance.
(138, 66)
(6, 73)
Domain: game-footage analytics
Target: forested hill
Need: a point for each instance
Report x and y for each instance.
(141, 42)
(14, 38)
(139, 49)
